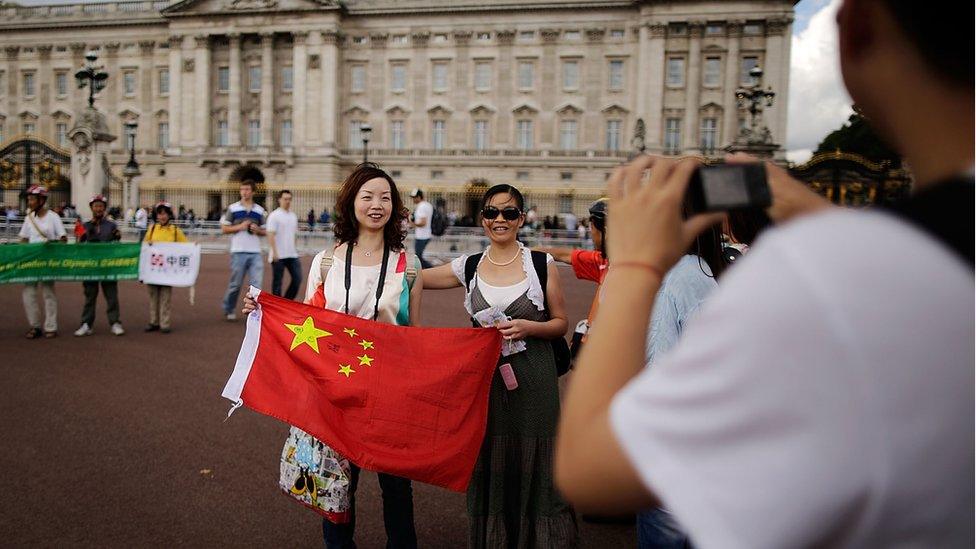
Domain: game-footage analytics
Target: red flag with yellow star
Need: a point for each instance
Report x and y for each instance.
(411, 402)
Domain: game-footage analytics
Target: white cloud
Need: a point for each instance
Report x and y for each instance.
(819, 103)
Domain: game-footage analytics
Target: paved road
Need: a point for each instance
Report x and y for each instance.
(121, 441)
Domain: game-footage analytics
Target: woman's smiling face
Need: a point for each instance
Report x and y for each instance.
(499, 229)
(374, 204)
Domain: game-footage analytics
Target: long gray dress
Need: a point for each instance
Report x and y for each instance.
(512, 502)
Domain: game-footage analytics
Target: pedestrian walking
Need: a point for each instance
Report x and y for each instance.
(142, 221)
(423, 214)
(161, 297)
(283, 253)
(99, 230)
(245, 221)
(41, 225)
(369, 255)
(512, 501)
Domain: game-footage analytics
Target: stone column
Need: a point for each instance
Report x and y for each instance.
(45, 90)
(201, 94)
(234, 92)
(552, 86)
(777, 74)
(653, 101)
(79, 100)
(175, 93)
(689, 140)
(330, 99)
(730, 126)
(146, 136)
(299, 68)
(111, 96)
(267, 90)
(462, 125)
(502, 88)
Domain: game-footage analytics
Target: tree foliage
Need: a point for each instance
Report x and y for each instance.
(858, 137)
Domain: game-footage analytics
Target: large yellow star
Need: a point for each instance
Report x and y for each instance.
(367, 360)
(306, 333)
(366, 344)
(350, 331)
(346, 369)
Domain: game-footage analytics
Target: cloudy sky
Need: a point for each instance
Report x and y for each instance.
(818, 102)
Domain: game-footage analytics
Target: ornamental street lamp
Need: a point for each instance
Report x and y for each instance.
(92, 76)
(753, 98)
(131, 170)
(365, 130)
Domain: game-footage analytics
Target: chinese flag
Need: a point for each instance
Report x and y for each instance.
(411, 402)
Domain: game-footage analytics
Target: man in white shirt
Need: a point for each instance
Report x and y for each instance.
(282, 234)
(41, 225)
(244, 220)
(142, 222)
(423, 213)
(824, 395)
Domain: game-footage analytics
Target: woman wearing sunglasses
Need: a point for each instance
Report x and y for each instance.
(511, 499)
(369, 275)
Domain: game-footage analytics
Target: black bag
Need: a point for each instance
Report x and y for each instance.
(438, 223)
(560, 349)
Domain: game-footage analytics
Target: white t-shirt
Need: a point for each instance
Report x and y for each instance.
(424, 210)
(822, 396)
(284, 225)
(50, 225)
(243, 241)
(142, 218)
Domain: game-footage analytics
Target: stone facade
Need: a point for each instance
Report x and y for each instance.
(536, 93)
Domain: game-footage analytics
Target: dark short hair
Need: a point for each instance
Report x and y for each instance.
(283, 193)
(504, 189)
(346, 227)
(944, 40)
(249, 183)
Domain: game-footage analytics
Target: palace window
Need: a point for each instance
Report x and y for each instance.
(526, 75)
(398, 137)
(713, 72)
(616, 74)
(253, 133)
(222, 136)
(129, 82)
(568, 135)
(748, 63)
(524, 137)
(355, 135)
(254, 79)
(162, 135)
(616, 33)
(676, 72)
(613, 135)
(61, 83)
(285, 133)
(223, 79)
(440, 76)
(482, 76)
(572, 35)
(358, 79)
(163, 81)
(672, 135)
(398, 78)
(437, 135)
(481, 135)
(61, 134)
(570, 75)
(29, 84)
(287, 79)
(709, 134)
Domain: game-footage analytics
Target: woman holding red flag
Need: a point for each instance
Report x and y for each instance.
(370, 275)
(512, 501)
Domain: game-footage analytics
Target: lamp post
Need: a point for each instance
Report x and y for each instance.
(753, 97)
(131, 170)
(365, 130)
(92, 76)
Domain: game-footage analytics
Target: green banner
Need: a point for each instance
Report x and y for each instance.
(58, 261)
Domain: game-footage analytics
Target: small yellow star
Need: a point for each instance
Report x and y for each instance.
(306, 333)
(367, 360)
(366, 344)
(346, 369)
(350, 331)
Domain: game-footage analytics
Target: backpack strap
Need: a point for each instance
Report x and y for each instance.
(411, 272)
(470, 268)
(542, 271)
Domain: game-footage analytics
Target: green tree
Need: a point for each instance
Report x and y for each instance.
(858, 137)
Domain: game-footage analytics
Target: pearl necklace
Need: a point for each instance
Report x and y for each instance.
(509, 262)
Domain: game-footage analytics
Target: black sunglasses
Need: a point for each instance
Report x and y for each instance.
(509, 213)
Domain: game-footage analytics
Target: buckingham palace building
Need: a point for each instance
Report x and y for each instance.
(459, 94)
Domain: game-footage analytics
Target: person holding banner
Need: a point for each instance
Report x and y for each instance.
(160, 297)
(512, 501)
(41, 225)
(100, 229)
(373, 278)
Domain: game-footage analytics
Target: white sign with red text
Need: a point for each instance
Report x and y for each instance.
(169, 263)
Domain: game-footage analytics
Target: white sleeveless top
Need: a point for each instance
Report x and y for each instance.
(500, 297)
